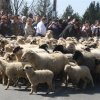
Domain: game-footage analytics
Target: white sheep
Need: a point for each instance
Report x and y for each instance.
(19, 51)
(54, 62)
(13, 70)
(38, 76)
(75, 73)
(2, 71)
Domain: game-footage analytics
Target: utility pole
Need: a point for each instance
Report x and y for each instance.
(54, 12)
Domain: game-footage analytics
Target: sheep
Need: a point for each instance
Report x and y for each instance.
(54, 62)
(10, 57)
(75, 73)
(61, 41)
(45, 47)
(2, 71)
(85, 58)
(18, 51)
(13, 70)
(64, 50)
(49, 34)
(21, 39)
(38, 76)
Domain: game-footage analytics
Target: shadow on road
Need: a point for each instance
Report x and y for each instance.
(62, 91)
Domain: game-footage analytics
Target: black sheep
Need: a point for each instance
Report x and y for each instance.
(62, 49)
(45, 47)
(85, 58)
(16, 49)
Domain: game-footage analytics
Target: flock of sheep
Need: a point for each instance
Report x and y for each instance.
(45, 59)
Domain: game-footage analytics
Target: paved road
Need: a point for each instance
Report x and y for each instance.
(61, 93)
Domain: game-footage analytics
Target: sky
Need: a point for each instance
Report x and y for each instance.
(78, 5)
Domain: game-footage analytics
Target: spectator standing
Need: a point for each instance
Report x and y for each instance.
(71, 30)
(96, 29)
(86, 30)
(5, 29)
(41, 28)
(17, 27)
(55, 27)
(29, 30)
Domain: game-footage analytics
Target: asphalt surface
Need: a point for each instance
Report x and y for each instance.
(61, 93)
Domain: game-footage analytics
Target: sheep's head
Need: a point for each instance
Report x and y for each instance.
(58, 48)
(78, 57)
(11, 57)
(17, 50)
(21, 39)
(49, 34)
(28, 68)
(71, 46)
(27, 56)
(34, 41)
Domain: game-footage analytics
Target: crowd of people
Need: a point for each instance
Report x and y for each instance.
(38, 26)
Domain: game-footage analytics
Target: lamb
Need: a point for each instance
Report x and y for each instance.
(75, 73)
(54, 62)
(39, 76)
(2, 71)
(12, 70)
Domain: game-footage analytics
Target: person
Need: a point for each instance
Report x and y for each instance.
(96, 29)
(24, 19)
(41, 28)
(71, 30)
(29, 30)
(5, 28)
(17, 27)
(86, 29)
(55, 27)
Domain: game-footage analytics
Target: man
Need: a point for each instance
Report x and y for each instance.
(5, 28)
(71, 30)
(41, 28)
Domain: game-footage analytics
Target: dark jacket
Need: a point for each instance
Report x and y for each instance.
(5, 29)
(69, 31)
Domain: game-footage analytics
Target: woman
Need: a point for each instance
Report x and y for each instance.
(29, 30)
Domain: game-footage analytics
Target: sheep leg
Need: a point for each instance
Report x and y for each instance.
(50, 87)
(32, 89)
(85, 83)
(8, 84)
(76, 83)
(28, 85)
(3, 79)
(91, 79)
(16, 83)
(16, 80)
(92, 82)
(66, 81)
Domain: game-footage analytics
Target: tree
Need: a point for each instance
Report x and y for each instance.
(17, 5)
(25, 10)
(68, 12)
(77, 16)
(92, 13)
(42, 7)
